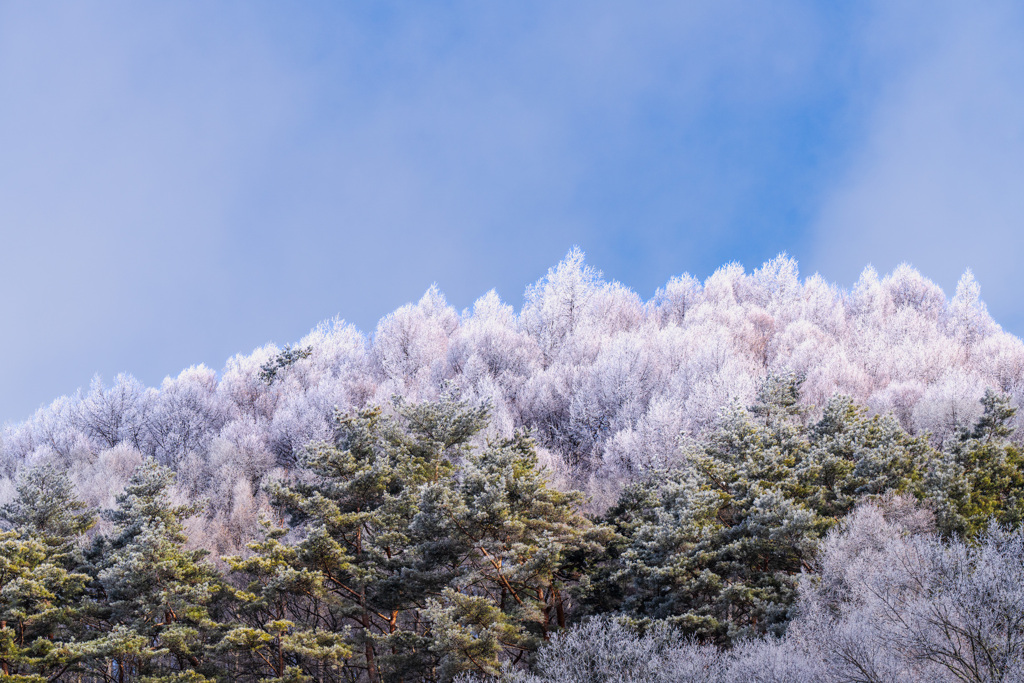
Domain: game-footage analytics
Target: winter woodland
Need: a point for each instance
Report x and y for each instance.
(843, 464)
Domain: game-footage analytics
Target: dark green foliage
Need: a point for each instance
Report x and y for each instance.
(285, 359)
(152, 596)
(981, 476)
(409, 549)
(427, 556)
(517, 548)
(716, 545)
(853, 456)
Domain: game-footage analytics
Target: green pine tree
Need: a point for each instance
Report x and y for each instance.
(980, 477)
(423, 555)
(48, 509)
(716, 545)
(152, 597)
(38, 604)
(518, 550)
(282, 629)
(854, 456)
(40, 611)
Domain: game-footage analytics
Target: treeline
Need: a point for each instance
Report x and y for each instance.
(609, 385)
(892, 602)
(411, 546)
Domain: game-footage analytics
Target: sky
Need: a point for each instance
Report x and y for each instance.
(183, 181)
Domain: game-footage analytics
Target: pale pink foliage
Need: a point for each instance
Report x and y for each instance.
(609, 384)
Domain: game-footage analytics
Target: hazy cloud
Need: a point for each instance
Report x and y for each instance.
(938, 178)
(183, 181)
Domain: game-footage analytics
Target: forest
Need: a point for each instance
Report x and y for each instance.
(756, 477)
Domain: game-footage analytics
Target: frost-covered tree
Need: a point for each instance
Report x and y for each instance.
(48, 509)
(980, 477)
(118, 414)
(894, 602)
(410, 345)
(152, 596)
(426, 556)
(185, 415)
(604, 650)
(610, 386)
(559, 303)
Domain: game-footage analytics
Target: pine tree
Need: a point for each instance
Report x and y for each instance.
(281, 630)
(521, 547)
(354, 501)
(39, 590)
(152, 596)
(427, 556)
(357, 510)
(980, 477)
(48, 509)
(854, 456)
(715, 546)
(38, 600)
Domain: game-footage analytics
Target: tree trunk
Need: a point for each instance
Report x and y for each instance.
(559, 607)
(371, 662)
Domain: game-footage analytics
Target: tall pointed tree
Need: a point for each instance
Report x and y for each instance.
(48, 509)
(40, 610)
(153, 596)
(980, 476)
(431, 556)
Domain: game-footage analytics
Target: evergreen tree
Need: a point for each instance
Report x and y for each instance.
(48, 509)
(521, 547)
(853, 456)
(355, 500)
(39, 589)
(429, 557)
(38, 609)
(715, 546)
(980, 477)
(282, 629)
(152, 596)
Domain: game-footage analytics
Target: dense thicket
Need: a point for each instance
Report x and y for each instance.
(891, 602)
(407, 556)
(780, 481)
(403, 549)
(716, 545)
(609, 384)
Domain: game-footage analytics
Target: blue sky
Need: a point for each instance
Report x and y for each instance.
(181, 181)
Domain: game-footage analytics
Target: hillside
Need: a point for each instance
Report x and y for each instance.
(753, 478)
(608, 382)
